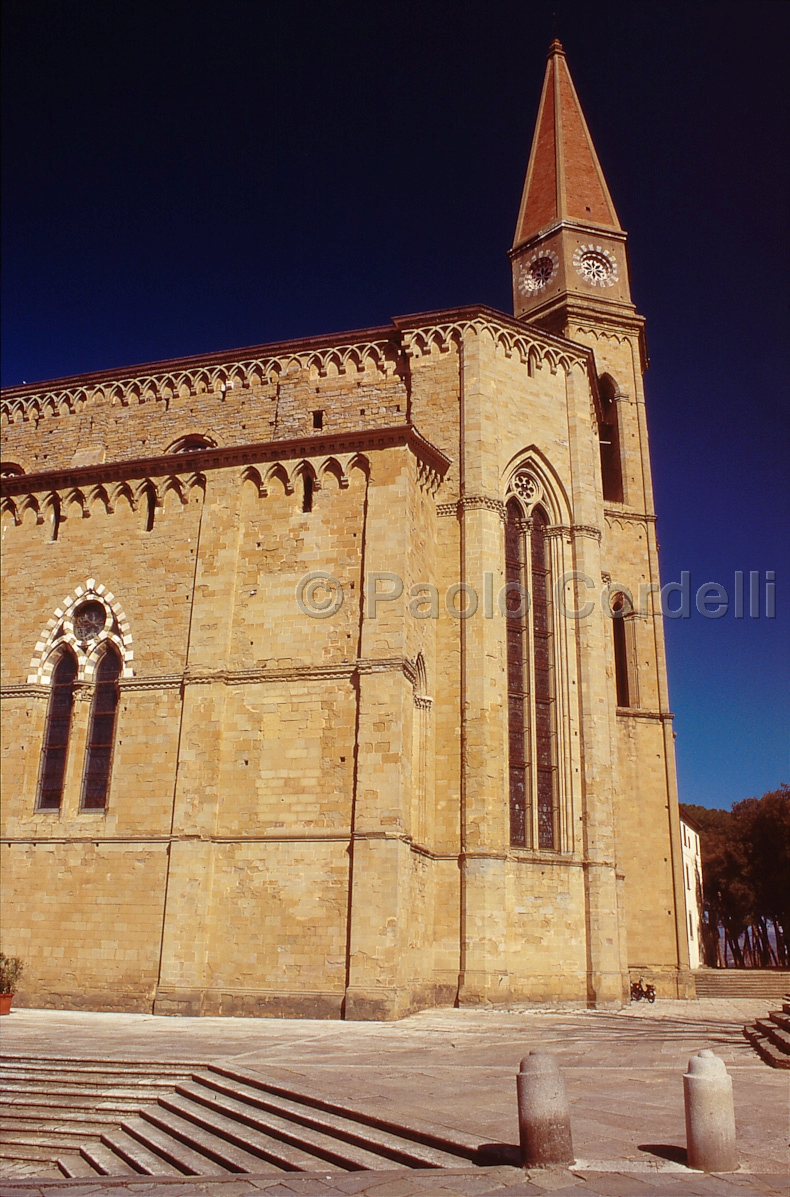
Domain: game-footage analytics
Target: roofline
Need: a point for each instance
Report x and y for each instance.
(399, 325)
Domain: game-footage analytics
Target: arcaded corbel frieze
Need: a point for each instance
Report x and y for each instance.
(338, 451)
(529, 347)
(221, 376)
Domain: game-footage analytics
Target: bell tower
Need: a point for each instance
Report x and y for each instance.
(569, 254)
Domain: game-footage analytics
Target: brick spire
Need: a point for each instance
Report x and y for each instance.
(564, 177)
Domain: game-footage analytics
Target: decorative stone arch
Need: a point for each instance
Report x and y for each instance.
(8, 508)
(357, 461)
(331, 465)
(60, 631)
(531, 480)
(193, 442)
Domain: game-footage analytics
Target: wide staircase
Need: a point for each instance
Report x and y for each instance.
(769, 983)
(770, 1037)
(120, 1119)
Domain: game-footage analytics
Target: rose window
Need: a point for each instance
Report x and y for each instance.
(595, 265)
(535, 276)
(89, 621)
(526, 487)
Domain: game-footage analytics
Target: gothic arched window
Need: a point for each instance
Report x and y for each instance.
(609, 438)
(101, 736)
(532, 773)
(56, 736)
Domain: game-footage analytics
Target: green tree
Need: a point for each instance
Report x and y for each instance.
(746, 881)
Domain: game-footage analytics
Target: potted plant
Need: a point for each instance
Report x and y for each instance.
(10, 972)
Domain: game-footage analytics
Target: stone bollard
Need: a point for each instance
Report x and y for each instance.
(544, 1121)
(710, 1114)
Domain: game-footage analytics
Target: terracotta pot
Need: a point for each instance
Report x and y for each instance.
(5, 1002)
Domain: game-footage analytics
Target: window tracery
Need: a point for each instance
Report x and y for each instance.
(530, 668)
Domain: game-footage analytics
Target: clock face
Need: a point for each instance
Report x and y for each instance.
(595, 265)
(536, 272)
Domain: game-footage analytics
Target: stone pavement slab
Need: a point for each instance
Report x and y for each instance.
(456, 1069)
(476, 1182)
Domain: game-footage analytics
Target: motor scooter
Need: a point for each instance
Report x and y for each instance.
(639, 991)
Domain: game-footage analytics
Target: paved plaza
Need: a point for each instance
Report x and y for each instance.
(455, 1069)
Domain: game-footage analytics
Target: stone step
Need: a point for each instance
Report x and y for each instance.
(90, 1082)
(53, 1124)
(268, 1149)
(104, 1161)
(20, 1152)
(125, 1067)
(139, 1157)
(224, 1139)
(766, 1049)
(74, 1167)
(142, 1095)
(778, 1037)
(455, 1142)
(56, 1142)
(34, 1105)
(781, 1019)
(381, 1143)
(272, 1137)
(170, 1148)
(741, 982)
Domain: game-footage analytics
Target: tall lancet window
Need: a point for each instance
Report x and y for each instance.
(609, 439)
(530, 661)
(56, 736)
(101, 736)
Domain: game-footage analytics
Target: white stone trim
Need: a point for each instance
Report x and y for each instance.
(59, 630)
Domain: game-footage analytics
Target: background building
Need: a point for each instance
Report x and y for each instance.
(692, 880)
(227, 792)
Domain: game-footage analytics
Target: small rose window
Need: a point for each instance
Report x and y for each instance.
(89, 621)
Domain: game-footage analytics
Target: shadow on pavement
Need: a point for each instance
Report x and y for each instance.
(666, 1151)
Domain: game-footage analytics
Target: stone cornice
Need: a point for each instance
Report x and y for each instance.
(197, 676)
(235, 455)
(636, 713)
(24, 690)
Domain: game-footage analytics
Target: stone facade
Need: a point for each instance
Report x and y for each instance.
(310, 806)
(692, 880)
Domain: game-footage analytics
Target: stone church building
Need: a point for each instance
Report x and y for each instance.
(334, 679)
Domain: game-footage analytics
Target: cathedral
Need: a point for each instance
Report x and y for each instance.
(334, 681)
